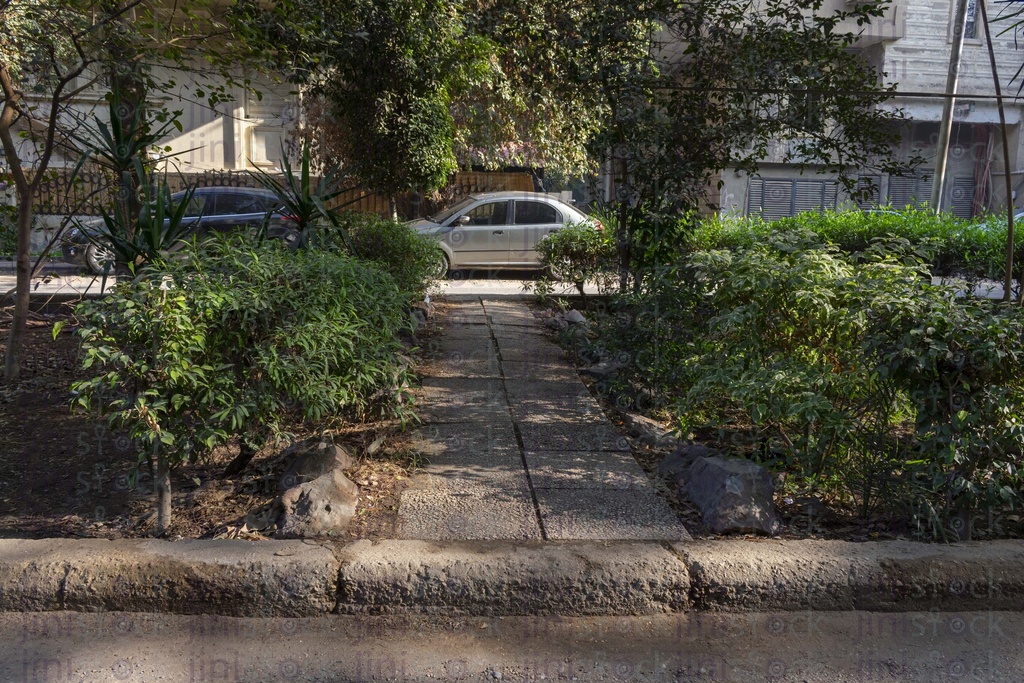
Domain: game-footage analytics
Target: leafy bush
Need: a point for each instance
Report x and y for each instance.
(242, 339)
(411, 259)
(580, 253)
(854, 373)
(8, 230)
(973, 249)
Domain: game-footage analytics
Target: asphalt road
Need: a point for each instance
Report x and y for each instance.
(809, 647)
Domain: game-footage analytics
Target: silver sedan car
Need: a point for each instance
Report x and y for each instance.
(497, 229)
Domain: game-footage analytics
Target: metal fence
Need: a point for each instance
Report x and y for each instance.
(91, 190)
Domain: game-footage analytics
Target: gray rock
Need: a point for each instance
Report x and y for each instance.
(556, 323)
(649, 432)
(734, 495)
(424, 307)
(322, 507)
(676, 464)
(574, 317)
(602, 370)
(311, 460)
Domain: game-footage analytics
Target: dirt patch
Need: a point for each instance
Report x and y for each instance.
(64, 473)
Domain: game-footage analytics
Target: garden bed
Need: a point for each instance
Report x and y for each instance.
(64, 474)
(803, 514)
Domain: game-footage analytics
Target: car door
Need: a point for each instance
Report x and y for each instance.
(532, 220)
(234, 210)
(199, 206)
(479, 236)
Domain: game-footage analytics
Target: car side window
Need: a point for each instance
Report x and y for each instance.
(230, 204)
(536, 213)
(199, 205)
(492, 213)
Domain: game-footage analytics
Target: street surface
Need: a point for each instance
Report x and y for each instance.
(812, 647)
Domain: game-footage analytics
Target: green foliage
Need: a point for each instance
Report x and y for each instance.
(8, 230)
(953, 246)
(303, 201)
(580, 253)
(242, 339)
(410, 258)
(852, 372)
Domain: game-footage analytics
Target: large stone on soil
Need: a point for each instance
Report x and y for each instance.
(313, 459)
(322, 507)
(676, 464)
(734, 495)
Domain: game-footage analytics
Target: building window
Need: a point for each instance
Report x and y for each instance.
(970, 21)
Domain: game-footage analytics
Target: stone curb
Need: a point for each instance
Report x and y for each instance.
(502, 578)
(231, 578)
(883, 576)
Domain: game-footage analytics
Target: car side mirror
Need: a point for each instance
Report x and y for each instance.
(463, 220)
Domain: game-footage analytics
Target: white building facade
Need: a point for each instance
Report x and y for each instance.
(911, 46)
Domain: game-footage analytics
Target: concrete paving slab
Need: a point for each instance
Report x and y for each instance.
(519, 389)
(535, 370)
(493, 476)
(463, 385)
(574, 409)
(466, 319)
(466, 349)
(592, 514)
(465, 440)
(440, 515)
(572, 437)
(455, 412)
(585, 470)
(527, 354)
(454, 366)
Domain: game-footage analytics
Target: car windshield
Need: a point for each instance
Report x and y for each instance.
(451, 210)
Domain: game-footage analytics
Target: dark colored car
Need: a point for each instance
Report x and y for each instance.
(212, 209)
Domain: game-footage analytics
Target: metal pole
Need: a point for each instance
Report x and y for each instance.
(946, 127)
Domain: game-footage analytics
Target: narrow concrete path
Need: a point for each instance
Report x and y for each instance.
(518, 448)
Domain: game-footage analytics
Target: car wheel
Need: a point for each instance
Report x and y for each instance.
(97, 257)
(441, 267)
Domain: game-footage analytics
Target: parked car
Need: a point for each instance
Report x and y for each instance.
(496, 229)
(212, 209)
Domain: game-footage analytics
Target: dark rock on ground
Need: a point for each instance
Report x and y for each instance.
(322, 507)
(733, 494)
(311, 460)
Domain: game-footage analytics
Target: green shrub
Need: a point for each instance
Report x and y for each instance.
(242, 340)
(580, 253)
(957, 247)
(411, 259)
(854, 373)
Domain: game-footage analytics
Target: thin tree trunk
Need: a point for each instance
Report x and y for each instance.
(12, 358)
(1008, 277)
(393, 207)
(163, 495)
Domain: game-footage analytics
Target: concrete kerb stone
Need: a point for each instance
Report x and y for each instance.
(223, 577)
(883, 576)
(506, 579)
(296, 578)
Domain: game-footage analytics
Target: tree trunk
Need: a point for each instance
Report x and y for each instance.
(12, 358)
(163, 495)
(393, 207)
